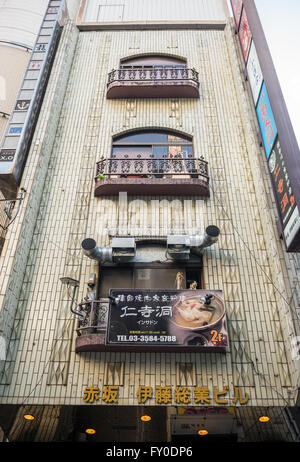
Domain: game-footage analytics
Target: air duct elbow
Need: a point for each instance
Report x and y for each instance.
(210, 237)
(91, 250)
(180, 247)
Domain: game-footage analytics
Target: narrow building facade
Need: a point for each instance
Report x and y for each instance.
(150, 277)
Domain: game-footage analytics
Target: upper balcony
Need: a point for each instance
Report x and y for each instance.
(153, 83)
(153, 76)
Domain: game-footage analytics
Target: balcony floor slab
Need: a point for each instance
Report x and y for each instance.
(150, 186)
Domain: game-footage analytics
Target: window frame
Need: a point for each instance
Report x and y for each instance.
(171, 62)
(117, 141)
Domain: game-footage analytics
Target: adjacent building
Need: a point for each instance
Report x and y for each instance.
(149, 269)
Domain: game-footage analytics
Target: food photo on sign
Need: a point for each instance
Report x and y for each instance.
(161, 319)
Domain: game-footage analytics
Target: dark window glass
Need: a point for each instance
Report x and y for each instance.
(154, 61)
(114, 278)
(170, 153)
(147, 137)
(153, 137)
(132, 152)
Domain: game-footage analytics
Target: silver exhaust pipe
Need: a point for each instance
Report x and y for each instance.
(208, 238)
(180, 247)
(91, 250)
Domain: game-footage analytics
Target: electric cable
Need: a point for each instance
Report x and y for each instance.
(49, 360)
(250, 251)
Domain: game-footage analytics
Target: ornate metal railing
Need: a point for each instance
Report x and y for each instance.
(96, 313)
(152, 167)
(142, 74)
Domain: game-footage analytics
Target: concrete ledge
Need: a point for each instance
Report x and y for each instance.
(155, 25)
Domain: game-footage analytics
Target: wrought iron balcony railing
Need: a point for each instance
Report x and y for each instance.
(152, 176)
(154, 167)
(153, 83)
(91, 332)
(96, 312)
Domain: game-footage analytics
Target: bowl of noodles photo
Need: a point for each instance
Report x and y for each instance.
(194, 312)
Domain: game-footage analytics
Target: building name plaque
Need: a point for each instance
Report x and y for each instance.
(171, 395)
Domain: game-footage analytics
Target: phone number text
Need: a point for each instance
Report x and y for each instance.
(147, 338)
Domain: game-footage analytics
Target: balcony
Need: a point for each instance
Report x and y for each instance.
(153, 83)
(91, 332)
(148, 176)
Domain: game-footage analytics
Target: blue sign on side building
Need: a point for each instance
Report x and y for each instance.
(266, 120)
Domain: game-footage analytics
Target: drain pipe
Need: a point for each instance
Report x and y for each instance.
(91, 250)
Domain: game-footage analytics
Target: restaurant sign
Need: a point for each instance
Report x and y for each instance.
(266, 120)
(178, 320)
(254, 72)
(284, 194)
(237, 6)
(245, 35)
(271, 135)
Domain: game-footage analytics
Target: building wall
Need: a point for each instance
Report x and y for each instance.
(60, 210)
(11, 77)
(20, 21)
(19, 24)
(141, 10)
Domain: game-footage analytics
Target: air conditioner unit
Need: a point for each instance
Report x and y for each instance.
(178, 247)
(123, 248)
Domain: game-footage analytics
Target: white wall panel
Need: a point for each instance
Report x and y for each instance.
(154, 10)
(20, 20)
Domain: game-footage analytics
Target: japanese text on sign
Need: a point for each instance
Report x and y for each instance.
(245, 35)
(181, 318)
(168, 395)
(281, 181)
(254, 73)
(266, 120)
(237, 6)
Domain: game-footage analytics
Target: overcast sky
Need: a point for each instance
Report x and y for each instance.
(281, 23)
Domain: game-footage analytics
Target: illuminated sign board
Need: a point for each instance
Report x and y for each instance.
(284, 194)
(199, 395)
(254, 73)
(266, 120)
(245, 35)
(254, 47)
(189, 320)
(237, 6)
(16, 141)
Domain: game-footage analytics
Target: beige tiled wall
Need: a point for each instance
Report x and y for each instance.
(248, 262)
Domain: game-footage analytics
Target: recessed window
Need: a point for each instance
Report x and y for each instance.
(165, 151)
(157, 152)
(148, 276)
